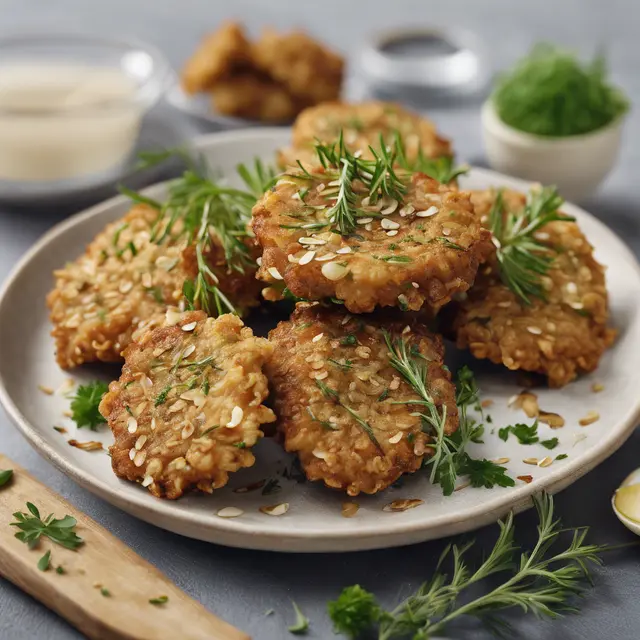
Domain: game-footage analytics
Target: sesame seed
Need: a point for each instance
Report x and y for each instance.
(406, 210)
(325, 257)
(407, 329)
(147, 481)
(236, 417)
(390, 208)
(364, 220)
(427, 213)
(322, 455)
(317, 338)
(392, 233)
(229, 512)
(368, 227)
(402, 505)
(571, 287)
(545, 462)
(415, 285)
(577, 305)
(596, 387)
(139, 459)
(132, 424)
(132, 454)
(188, 350)
(322, 375)
(307, 257)
(259, 261)
(395, 439)
(46, 390)
(320, 188)
(535, 330)
(530, 461)
(125, 287)
(172, 317)
(274, 273)
(189, 326)
(349, 509)
(344, 250)
(365, 201)
(292, 259)
(187, 431)
(395, 383)
(501, 460)
(140, 442)
(590, 418)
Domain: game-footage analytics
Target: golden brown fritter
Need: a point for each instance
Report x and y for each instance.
(218, 54)
(255, 97)
(123, 279)
(309, 71)
(188, 405)
(560, 337)
(362, 125)
(328, 365)
(419, 251)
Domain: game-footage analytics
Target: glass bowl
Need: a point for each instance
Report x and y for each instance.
(71, 109)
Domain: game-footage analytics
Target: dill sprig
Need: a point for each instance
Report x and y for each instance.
(450, 458)
(522, 257)
(542, 581)
(203, 212)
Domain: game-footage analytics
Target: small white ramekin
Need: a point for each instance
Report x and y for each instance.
(575, 164)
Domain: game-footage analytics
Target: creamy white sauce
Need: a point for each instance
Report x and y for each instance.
(64, 121)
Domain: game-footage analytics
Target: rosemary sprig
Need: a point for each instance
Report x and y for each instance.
(210, 213)
(542, 581)
(334, 396)
(449, 459)
(522, 257)
(441, 168)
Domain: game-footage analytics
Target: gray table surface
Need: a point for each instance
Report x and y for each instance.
(240, 585)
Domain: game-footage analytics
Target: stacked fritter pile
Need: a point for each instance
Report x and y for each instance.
(270, 80)
(370, 233)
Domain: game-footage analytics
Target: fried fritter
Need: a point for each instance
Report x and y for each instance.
(562, 336)
(419, 251)
(362, 125)
(218, 54)
(255, 97)
(336, 395)
(188, 405)
(122, 280)
(308, 70)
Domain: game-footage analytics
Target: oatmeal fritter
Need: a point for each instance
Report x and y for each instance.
(336, 397)
(362, 125)
(310, 72)
(188, 406)
(218, 54)
(122, 280)
(562, 336)
(254, 97)
(420, 251)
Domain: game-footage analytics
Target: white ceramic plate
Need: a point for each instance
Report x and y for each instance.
(314, 521)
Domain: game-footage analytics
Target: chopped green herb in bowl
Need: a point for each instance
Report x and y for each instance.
(552, 93)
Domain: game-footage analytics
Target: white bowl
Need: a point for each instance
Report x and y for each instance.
(575, 164)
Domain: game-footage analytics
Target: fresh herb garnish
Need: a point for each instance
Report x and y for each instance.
(348, 341)
(562, 456)
(526, 434)
(105, 592)
(541, 581)
(522, 257)
(159, 600)
(5, 476)
(301, 625)
(60, 570)
(32, 527)
(45, 561)
(161, 398)
(552, 443)
(394, 259)
(551, 93)
(85, 403)
(333, 396)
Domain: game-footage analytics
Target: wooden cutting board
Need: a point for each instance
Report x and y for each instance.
(101, 563)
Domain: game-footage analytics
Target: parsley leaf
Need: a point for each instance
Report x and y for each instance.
(84, 406)
(552, 443)
(5, 477)
(33, 527)
(45, 561)
(159, 600)
(484, 473)
(526, 434)
(354, 612)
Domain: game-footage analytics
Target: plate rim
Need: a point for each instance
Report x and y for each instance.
(371, 536)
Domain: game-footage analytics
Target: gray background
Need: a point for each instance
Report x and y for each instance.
(240, 585)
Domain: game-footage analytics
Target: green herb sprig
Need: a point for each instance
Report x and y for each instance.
(32, 527)
(301, 624)
(551, 93)
(543, 581)
(85, 403)
(523, 259)
(5, 476)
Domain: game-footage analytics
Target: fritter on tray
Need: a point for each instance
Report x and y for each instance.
(368, 235)
(560, 332)
(362, 125)
(217, 56)
(123, 279)
(310, 72)
(188, 406)
(255, 97)
(339, 400)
